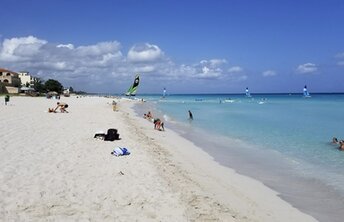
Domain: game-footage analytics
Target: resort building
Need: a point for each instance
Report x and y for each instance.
(9, 81)
(9, 78)
(26, 79)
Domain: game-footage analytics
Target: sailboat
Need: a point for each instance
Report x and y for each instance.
(133, 88)
(305, 92)
(247, 92)
(164, 93)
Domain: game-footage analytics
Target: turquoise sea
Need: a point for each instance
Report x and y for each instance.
(282, 140)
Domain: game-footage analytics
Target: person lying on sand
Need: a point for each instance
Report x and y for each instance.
(62, 107)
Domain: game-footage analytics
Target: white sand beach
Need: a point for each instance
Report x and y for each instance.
(52, 169)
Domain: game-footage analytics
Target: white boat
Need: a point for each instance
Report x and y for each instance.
(305, 92)
(164, 93)
(247, 93)
(229, 100)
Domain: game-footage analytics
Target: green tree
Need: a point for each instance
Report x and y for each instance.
(2, 88)
(53, 85)
(38, 85)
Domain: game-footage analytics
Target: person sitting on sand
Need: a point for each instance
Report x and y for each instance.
(149, 115)
(62, 107)
(158, 124)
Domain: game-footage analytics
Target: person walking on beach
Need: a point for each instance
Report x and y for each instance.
(7, 99)
(190, 115)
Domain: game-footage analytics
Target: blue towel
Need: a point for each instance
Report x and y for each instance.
(119, 151)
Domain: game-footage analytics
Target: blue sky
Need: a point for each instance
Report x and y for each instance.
(186, 46)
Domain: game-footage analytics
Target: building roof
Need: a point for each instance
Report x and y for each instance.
(6, 70)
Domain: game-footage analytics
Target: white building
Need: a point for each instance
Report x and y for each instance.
(66, 92)
(26, 79)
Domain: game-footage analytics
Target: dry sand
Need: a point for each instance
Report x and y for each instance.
(52, 169)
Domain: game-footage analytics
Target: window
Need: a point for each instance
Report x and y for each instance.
(8, 74)
(6, 80)
(0, 73)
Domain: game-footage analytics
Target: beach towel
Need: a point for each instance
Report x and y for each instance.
(100, 135)
(120, 151)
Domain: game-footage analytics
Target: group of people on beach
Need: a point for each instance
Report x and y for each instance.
(158, 124)
(340, 143)
(60, 105)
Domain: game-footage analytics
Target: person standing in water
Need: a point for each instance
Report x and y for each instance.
(190, 115)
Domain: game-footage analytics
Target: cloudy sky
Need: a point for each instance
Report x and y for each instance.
(202, 46)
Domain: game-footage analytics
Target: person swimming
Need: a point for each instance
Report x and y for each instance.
(341, 145)
(335, 140)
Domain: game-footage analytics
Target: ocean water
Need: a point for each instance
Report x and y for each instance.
(282, 140)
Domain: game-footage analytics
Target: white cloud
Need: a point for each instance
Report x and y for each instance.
(268, 73)
(187, 70)
(69, 46)
(340, 57)
(61, 61)
(242, 78)
(90, 66)
(205, 70)
(144, 53)
(307, 68)
(213, 62)
(98, 49)
(217, 62)
(209, 69)
(144, 69)
(235, 69)
(20, 49)
(237, 74)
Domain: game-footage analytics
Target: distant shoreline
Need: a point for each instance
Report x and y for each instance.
(198, 94)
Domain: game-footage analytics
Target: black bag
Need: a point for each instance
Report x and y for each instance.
(112, 135)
